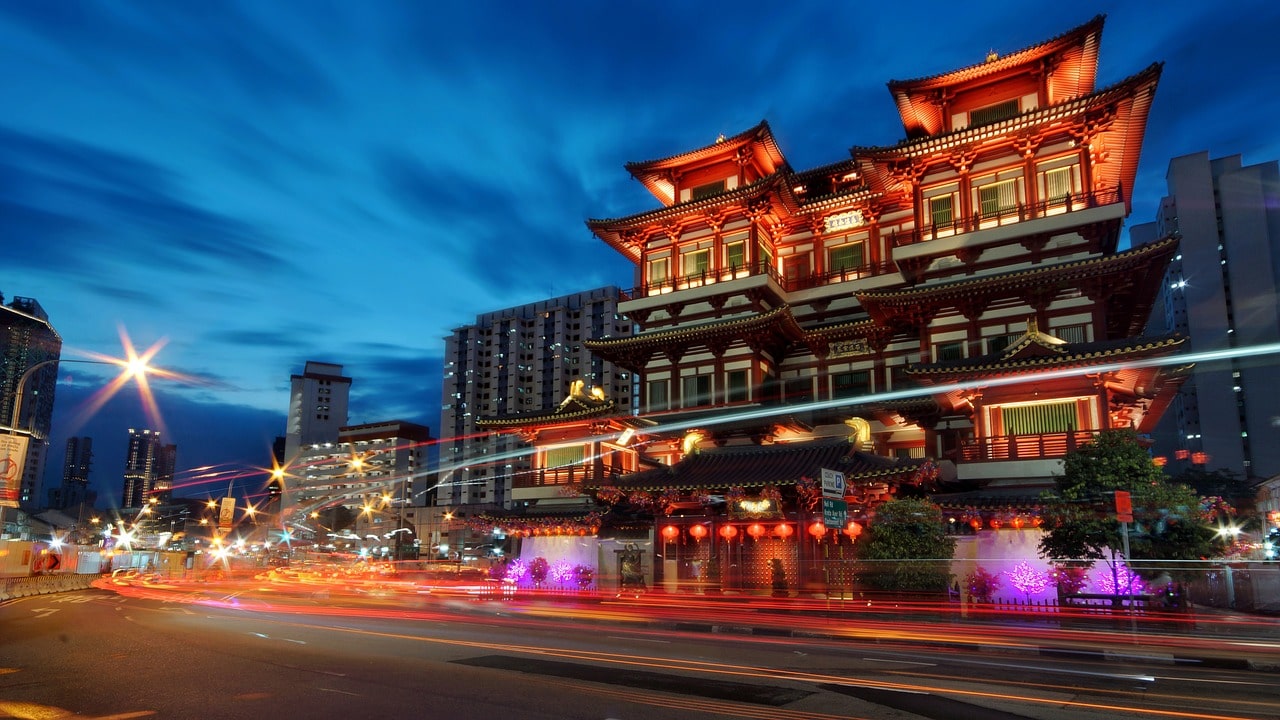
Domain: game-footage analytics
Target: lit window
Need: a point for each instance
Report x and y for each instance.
(706, 190)
(1057, 183)
(942, 211)
(696, 262)
(845, 257)
(997, 198)
(658, 271)
(993, 113)
(735, 255)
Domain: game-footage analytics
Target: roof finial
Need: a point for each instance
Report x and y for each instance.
(720, 138)
(1032, 326)
(992, 55)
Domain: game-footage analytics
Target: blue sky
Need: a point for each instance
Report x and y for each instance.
(259, 184)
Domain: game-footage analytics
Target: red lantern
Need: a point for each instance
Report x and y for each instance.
(818, 529)
(853, 529)
(698, 532)
(1182, 454)
(783, 531)
(1018, 521)
(976, 524)
(755, 530)
(670, 533)
(994, 523)
(1200, 458)
(728, 532)
(1159, 461)
(1036, 521)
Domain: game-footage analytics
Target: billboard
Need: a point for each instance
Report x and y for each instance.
(226, 513)
(13, 461)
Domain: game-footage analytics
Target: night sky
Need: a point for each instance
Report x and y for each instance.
(257, 184)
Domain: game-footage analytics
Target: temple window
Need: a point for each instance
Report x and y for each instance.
(997, 198)
(1071, 333)
(659, 271)
(845, 257)
(1039, 418)
(658, 399)
(558, 457)
(695, 263)
(949, 351)
(737, 388)
(1000, 342)
(1057, 184)
(706, 190)
(851, 384)
(766, 257)
(695, 390)
(735, 255)
(942, 211)
(799, 390)
(993, 113)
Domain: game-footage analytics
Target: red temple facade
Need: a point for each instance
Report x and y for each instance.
(958, 300)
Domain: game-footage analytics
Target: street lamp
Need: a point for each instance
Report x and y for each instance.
(13, 455)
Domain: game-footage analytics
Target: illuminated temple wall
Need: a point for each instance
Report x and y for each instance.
(571, 549)
(998, 552)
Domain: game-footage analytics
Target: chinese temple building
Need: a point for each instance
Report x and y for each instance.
(958, 299)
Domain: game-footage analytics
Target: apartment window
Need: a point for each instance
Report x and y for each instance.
(695, 390)
(950, 351)
(997, 198)
(706, 190)
(993, 113)
(737, 390)
(942, 210)
(696, 262)
(845, 257)
(1057, 183)
(658, 399)
(851, 384)
(735, 255)
(659, 271)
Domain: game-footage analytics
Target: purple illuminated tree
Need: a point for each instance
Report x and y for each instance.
(1027, 579)
(1121, 581)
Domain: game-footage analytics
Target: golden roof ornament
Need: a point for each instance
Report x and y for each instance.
(860, 434)
(992, 56)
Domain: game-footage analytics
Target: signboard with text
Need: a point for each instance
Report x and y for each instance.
(832, 483)
(835, 513)
(13, 461)
(226, 513)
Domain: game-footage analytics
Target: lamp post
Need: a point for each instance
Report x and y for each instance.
(13, 468)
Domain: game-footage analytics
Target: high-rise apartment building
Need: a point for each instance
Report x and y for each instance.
(371, 469)
(74, 489)
(1220, 291)
(166, 466)
(26, 340)
(142, 464)
(519, 360)
(317, 406)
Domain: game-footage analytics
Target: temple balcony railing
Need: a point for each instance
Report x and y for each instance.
(1024, 447)
(564, 475)
(997, 217)
(789, 283)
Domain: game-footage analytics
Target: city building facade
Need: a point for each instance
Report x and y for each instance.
(1220, 291)
(27, 338)
(76, 466)
(317, 406)
(519, 360)
(148, 469)
(374, 470)
(948, 316)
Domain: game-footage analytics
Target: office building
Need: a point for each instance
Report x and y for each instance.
(144, 460)
(74, 489)
(27, 339)
(1220, 292)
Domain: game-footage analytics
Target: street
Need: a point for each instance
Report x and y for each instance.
(239, 651)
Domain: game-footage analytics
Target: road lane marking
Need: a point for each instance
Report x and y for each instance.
(42, 613)
(900, 662)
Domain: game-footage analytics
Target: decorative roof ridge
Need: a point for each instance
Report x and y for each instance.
(783, 310)
(680, 208)
(1011, 59)
(1033, 336)
(1075, 352)
(1165, 244)
(760, 130)
(1154, 68)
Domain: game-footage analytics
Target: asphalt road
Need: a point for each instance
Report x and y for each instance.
(245, 654)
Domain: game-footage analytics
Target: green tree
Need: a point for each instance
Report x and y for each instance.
(907, 548)
(1080, 521)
